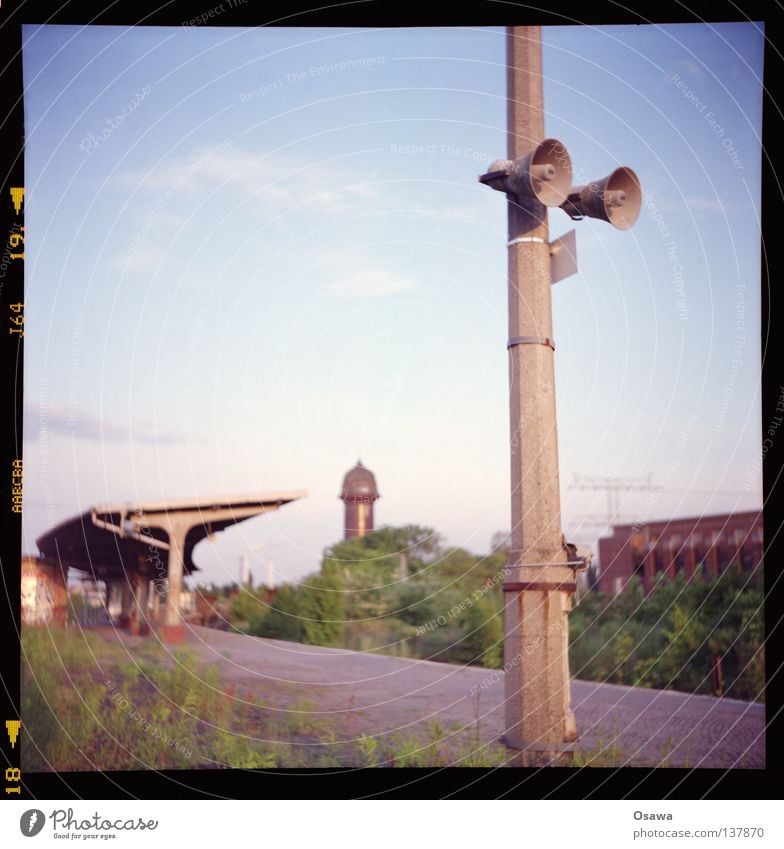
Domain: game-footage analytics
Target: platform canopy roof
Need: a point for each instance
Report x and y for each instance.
(109, 540)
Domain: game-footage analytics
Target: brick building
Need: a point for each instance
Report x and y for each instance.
(678, 546)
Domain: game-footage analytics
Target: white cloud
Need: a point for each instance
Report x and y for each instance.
(148, 243)
(80, 425)
(275, 183)
(132, 261)
(370, 284)
(707, 204)
(278, 180)
(691, 69)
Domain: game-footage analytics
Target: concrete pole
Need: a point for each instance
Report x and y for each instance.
(125, 601)
(134, 624)
(156, 600)
(173, 631)
(244, 569)
(539, 720)
(143, 597)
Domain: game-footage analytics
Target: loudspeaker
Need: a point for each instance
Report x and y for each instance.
(541, 176)
(616, 199)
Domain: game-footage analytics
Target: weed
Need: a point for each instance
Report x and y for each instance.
(368, 746)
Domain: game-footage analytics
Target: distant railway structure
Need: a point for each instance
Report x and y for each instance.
(139, 551)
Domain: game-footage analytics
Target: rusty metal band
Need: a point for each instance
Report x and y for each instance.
(550, 563)
(530, 340)
(538, 586)
(526, 240)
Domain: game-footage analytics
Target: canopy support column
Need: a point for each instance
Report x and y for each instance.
(174, 629)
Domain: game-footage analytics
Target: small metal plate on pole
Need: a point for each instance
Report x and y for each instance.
(563, 257)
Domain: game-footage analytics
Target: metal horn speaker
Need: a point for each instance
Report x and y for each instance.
(543, 175)
(617, 199)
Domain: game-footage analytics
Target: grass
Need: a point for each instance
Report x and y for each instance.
(88, 703)
(436, 749)
(605, 752)
(601, 755)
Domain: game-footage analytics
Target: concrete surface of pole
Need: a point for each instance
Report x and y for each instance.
(539, 720)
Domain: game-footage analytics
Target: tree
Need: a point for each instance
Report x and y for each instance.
(500, 541)
(249, 608)
(671, 636)
(416, 544)
(366, 569)
(483, 635)
(283, 621)
(322, 610)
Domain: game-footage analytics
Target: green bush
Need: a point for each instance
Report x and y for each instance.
(284, 621)
(322, 609)
(397, 591)
(668, 638)
(249, 609)
(482, 635)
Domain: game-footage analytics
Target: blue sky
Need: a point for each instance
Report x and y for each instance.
(255, 255)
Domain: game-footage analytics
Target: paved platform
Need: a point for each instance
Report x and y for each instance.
(390, 697)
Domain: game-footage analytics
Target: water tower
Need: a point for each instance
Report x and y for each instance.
(358, 493)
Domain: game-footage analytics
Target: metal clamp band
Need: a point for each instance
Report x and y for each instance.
(530, 340)
(567, 563)
(537, 586)
(522, 240)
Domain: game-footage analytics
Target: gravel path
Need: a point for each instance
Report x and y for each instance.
(361, 693)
